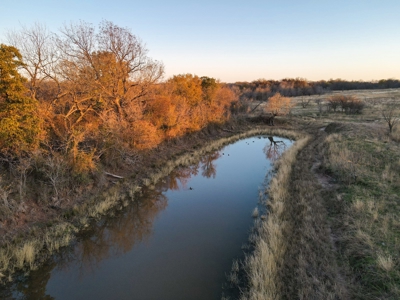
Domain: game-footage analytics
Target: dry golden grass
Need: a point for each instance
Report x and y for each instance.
(26, 254)
(233, 276)
(317, 110)
(385, 262)
(23, 254)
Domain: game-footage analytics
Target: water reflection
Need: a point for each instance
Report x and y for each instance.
(208, 168)
(178, 178)
(113, 236)
(119, 234)
(34, 286)
(275, 149)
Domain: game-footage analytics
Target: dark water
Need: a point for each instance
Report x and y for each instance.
(177, 241)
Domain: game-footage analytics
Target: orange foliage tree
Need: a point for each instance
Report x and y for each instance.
(98, 89)
(204, 100)
(186, 103)
(278, 105)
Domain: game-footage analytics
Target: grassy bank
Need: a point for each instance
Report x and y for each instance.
(27, 249)
(265, 263)
(365, 162)
(332, 228)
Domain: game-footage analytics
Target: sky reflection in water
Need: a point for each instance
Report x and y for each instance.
(177, 241)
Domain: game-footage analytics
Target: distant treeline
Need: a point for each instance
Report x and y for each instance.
(262, 89)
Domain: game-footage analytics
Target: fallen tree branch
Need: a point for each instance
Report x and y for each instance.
(113, 175)
(228, 130)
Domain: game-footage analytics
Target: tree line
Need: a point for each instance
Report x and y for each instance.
(262, 90)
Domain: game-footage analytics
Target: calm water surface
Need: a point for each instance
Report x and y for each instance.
(177, 241)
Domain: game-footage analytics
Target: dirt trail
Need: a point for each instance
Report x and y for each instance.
(310, 269)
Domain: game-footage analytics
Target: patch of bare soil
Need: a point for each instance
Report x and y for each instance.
(323, 179)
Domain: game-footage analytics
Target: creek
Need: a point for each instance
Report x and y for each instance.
(178, 240)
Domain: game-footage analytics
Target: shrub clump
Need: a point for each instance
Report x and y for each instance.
(347, 104)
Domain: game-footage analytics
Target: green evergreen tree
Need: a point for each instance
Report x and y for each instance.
(19, 121)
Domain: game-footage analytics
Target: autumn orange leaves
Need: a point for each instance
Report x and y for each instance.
(97, 90)
(278, 105)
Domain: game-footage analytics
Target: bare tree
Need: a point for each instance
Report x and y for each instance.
(54, 169)
(35, 46)
(305, 101)
(83, 72)
(275, 149)
(391, 115)
(334, 102)
(320, 105)
(114, 62)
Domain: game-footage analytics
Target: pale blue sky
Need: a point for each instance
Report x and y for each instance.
(242, 40)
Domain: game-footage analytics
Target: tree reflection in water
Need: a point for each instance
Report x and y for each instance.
(178, 178)
(208, 168)
(113, 235)
(117, 235)
(274, 150)
(32, 287)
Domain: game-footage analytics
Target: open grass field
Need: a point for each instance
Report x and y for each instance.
(375, 101)
(333, 229)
